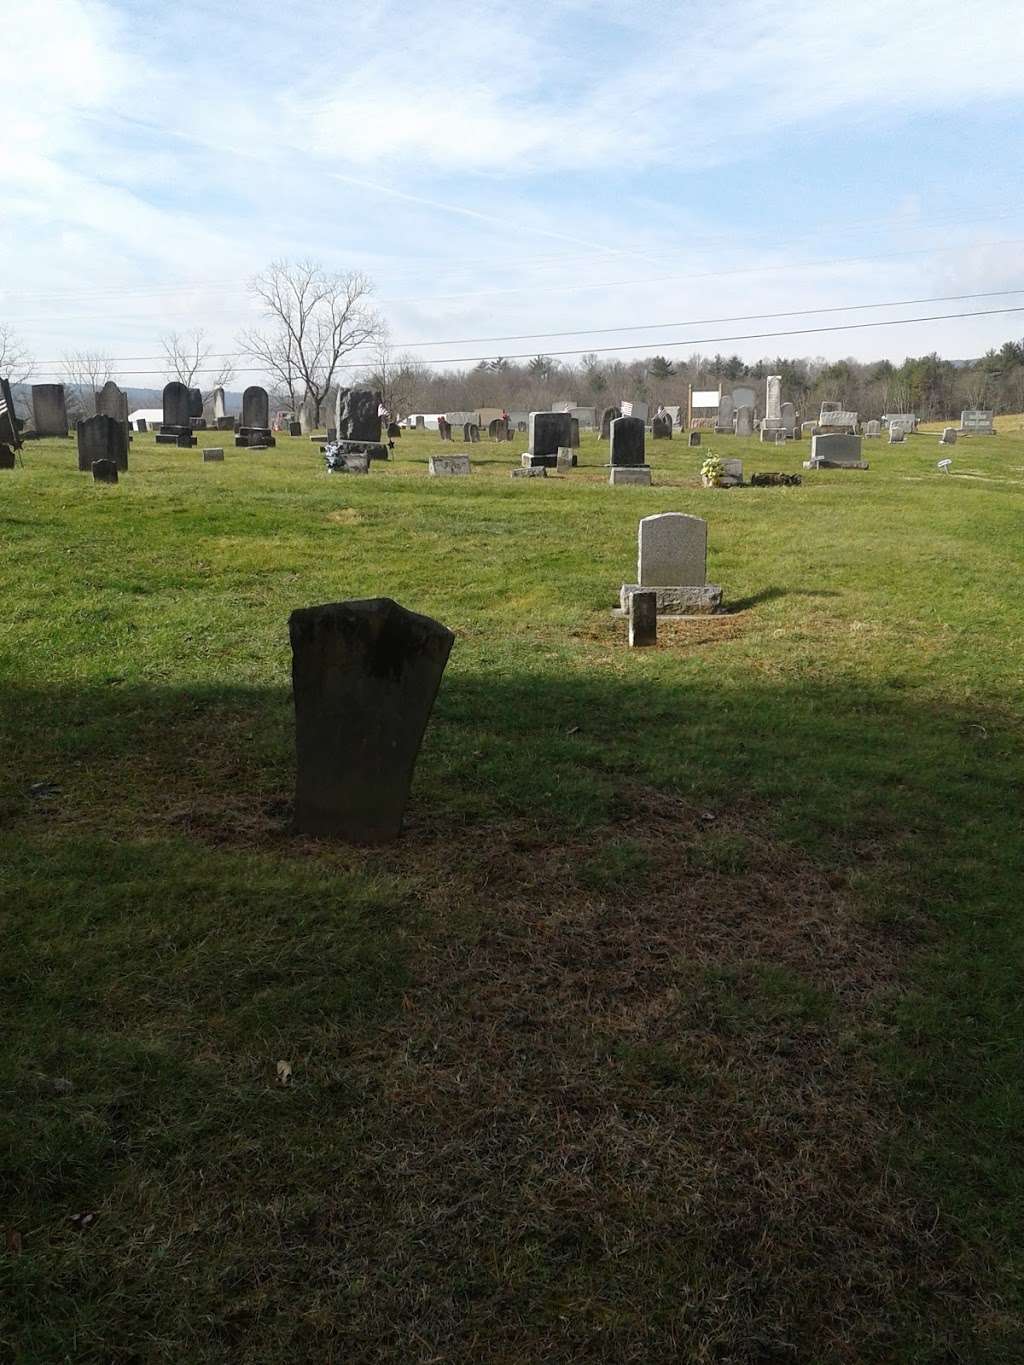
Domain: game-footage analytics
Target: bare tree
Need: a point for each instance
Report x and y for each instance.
(16, 364)
(187, 356)
(84, 373)
(318, 317)
(400, 380)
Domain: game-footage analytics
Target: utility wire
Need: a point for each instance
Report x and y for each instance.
(632, 327)
(639, 346)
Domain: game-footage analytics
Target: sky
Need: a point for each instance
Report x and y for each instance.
(507, 168)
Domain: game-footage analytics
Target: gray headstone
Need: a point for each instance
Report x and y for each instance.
(255, 407)
(607, 418)
(101, 438)
(789, 418)
(744, 397)
(661, 429)
(358, 414)
(627, 441)
(449, 464)
(726, 412)
(694, 438)
(176, 405)
(141, 426)
(104, 471)
(948, 437)
(218, 404)
(630, 474)
(643, 619)
(307, 416)
(744, 421)
(421, 424)
(838, 448)
(364, 676)
(530, 472)
(872, 428)
(195, 403)
(673, 550)
(213, 455)
(49, 410)
(548, 431)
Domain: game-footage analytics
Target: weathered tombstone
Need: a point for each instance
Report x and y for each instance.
(444, 429)
(661, 429)
(977, 422)
(607, 418)
(295, 429)
(897, 435)
(219, 410)
(948, 437)
(694, 438)
(364, 677)
(394, 431)
(496, 429)
(872, 428)
(773, 398)
(744, 397)
(448, 464)
(6, 457)
(307, 416)
(726, 413)
(421, 424)
(225, 423)
(642, 607)
(213, 455)
(672, 560)
(574, 432)
(772, 435)
(789, 418)
(141, 426)
(104, 471)
(101, 438)
(176, 405)
(49, 410)
(111, 401)
(358, 414)
(745, 421)
(195, 403)
(255, 408)
(835, 450)
(538, 471)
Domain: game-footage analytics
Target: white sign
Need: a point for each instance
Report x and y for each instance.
(706, 398)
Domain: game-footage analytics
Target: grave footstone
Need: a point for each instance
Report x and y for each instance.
(104, 471)
(364, 677)
(530, 472)
(449, 464)
(101, 438)
(213, 455)
(294, 428)
(548, 431)
(49, 410)
(643, 618)
(948, 437)
(672, 561)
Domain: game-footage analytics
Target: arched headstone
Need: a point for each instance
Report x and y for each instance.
(607, 418)
(176, 405)
(255, 408)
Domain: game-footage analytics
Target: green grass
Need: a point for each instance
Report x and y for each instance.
(683, 1023)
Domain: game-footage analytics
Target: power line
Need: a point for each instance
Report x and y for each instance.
(632, 327)
(639, 346)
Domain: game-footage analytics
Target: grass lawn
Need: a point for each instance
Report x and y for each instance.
(684, 1023)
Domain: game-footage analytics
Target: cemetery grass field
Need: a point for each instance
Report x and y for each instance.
(683, 1023)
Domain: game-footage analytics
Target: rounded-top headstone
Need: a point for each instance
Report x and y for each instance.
(176, 405)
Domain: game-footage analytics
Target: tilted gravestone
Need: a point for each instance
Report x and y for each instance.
(255, 408)
(101, 438)
(448, 464)
(789, 418)
(113, 402)
(948, 437)
(694, 438)
(364, 677)
(141, 425)
(672, 561)
(219, 410)
(49, 410)
(977, 422)
(358, 414)
(104, 471)
(744, 421)
(607, 418)
(195, 403)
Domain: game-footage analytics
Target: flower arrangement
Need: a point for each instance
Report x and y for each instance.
(711, 471)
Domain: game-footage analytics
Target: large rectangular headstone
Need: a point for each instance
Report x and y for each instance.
(111, 401)
(358, 414)
(789, 418)
(49, 410)
(978, 422)
(837, 449)
(548, 431)
(101, 438)
(364, 676)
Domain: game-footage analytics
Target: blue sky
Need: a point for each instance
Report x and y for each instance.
(502, 168)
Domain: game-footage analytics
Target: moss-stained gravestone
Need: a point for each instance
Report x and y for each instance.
(364, 678)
